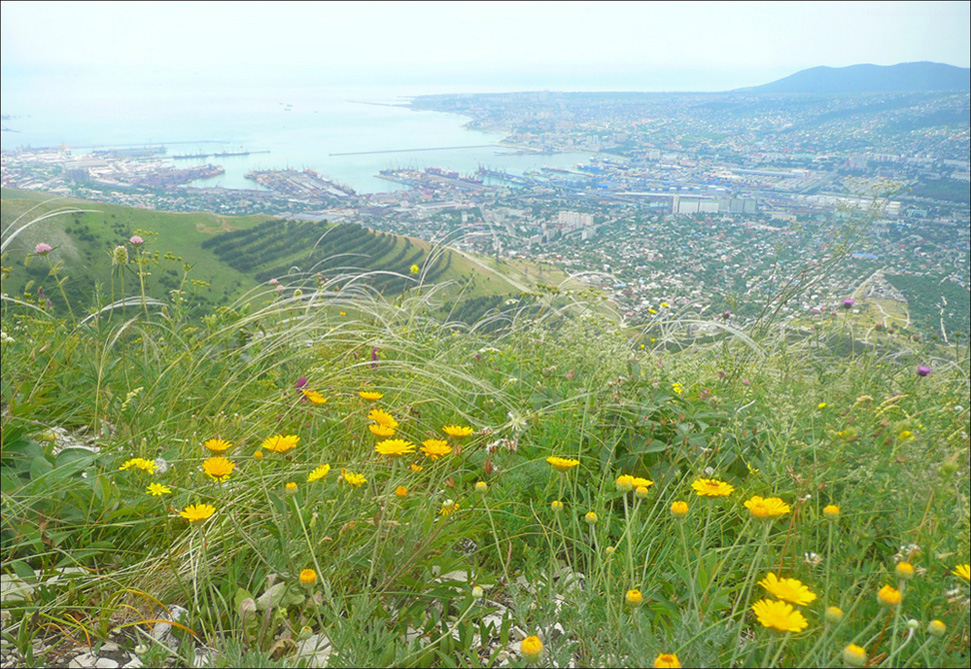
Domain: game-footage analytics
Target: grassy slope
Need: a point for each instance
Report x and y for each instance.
(83, 242)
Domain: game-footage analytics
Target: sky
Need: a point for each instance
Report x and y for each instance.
(557, 45)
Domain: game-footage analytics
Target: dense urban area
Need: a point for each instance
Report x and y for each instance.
(718, 202)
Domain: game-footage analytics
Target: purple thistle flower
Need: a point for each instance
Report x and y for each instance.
(301, 382)
(726, 315)
(43, 249)
(848, 302)
(136, 240)
(923, 370)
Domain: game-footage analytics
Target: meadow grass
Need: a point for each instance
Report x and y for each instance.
(755, 461)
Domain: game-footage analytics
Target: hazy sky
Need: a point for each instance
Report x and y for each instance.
(743, 43)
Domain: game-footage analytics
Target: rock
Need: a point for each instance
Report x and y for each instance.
(14, 589)
(105, 663)
(202, 658)
(316, 649)
(108, 647)
(135, 663)
(163, 630)
(83, 661)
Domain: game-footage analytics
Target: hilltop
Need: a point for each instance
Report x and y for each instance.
(866, 78)
(223, 258)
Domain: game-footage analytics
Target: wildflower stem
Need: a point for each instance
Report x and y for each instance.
(495, 536)
(748, 584)
(691, 581)
(829, 559)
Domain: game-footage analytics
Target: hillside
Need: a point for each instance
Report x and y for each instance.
(866, 78)
(218, 258)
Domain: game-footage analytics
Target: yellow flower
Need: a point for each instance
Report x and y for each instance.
(906, 435)
(963, 571)
(481, 487)
(415, 269)
(416, 467)
(381, 430)
(435, 448)
(679, 509)
(665, 305)
(854, 656)
(770, 507)
(712, 488)
(590, 518)
(356, 480)
(641, 492)
(634, 597)
(821, 405)
(677, 388)
(382, 417)
(889, 596)
(904, 571)
(831, 511)
(258, 455)
(556, 505)
(217, 445)
(449, 507)
(197, 512)
(157, 489)
(394, 447)
(833, 614)
(318, 473)
(218, 468)
(280, 443)
(779, 616)
(400, 491)
(308, 576)
(291, 488)
(562, 464)
(531, 648)
(313, 396)
(457, 430)
(667, 661)
(140, 463)
(639, 482)
(370, 395)
(788, 589)
(624, 483)
(936, 628)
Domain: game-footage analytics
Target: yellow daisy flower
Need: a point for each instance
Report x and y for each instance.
(218, 445)
(381, 430)
(771, 507)
(280, 443)
(667, 661)
(779, 616)
(562, 464)
(313, 396)
(318, 473)
(889, 596)
(457, 430)
(308, 576)
(963, 571)
(218, 468)
(712, 488)
(531, 648)
(356, 480)
(195, 513)
(370, 395)
(139, 463)
(435, 448)
(157, 489)
(382, 417)
(394, 447)
(788, 589)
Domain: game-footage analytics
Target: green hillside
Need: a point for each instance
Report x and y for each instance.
(216, 258)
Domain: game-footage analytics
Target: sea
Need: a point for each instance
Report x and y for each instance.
(281, 127)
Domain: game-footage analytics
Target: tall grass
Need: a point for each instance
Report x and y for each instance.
(772, 413)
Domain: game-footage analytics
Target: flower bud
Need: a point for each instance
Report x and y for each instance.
(833, 614)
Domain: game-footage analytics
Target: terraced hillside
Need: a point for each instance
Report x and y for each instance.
(275, 249)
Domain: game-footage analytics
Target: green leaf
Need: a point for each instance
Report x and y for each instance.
(40, 466)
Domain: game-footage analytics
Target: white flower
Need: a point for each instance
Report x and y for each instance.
(709, 471)
(5, 338)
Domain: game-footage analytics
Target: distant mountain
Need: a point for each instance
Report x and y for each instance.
(923, 76)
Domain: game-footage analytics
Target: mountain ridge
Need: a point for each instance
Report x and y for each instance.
(869, 78)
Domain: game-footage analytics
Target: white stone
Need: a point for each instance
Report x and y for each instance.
(14, 589)
(106, 663)
(317, 649)
(135, 663)
(83, 660)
